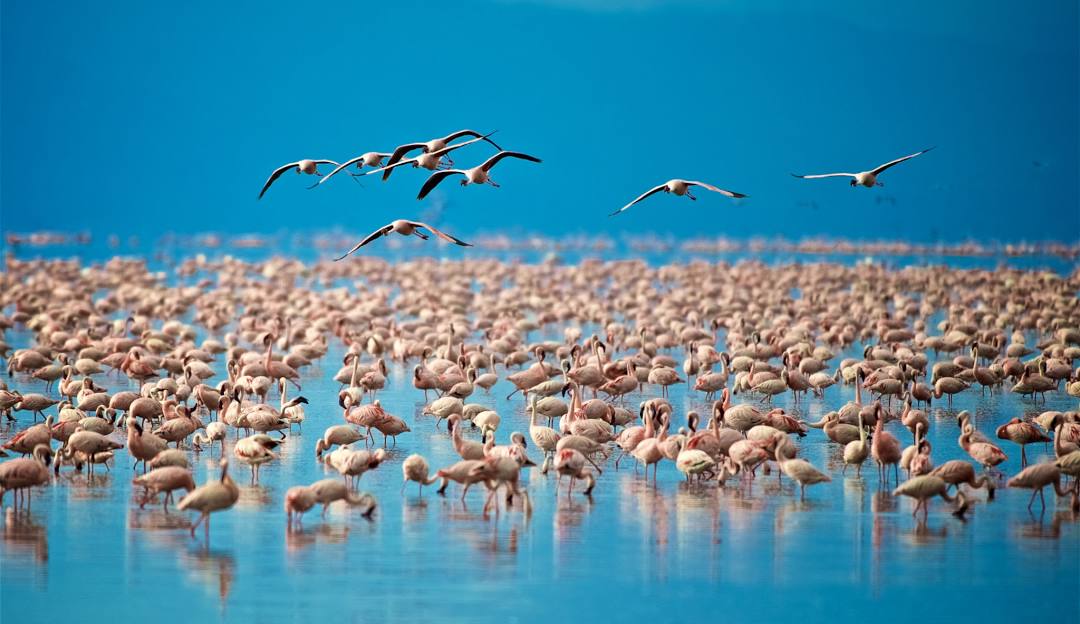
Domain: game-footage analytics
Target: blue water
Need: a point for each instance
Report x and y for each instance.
(667, 552)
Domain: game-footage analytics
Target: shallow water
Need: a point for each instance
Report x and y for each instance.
(668, 551)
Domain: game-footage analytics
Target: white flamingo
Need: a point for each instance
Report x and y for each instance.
(680, 188)
(864, 178)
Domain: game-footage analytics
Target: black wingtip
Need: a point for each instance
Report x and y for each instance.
(795, 175)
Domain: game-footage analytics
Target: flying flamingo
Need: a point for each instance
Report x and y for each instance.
(437, 144)
(680, 188)
(404, 227)
(865, 178)
(367, 159)
(477, 175)
(307, 165)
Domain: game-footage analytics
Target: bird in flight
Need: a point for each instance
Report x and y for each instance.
(476, 175)
(865, 178)
(405, 228)
(308, 166)
(679, 187)
(437, 144)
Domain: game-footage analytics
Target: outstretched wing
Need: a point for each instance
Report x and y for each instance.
(899, 160)
(472, 133)
(450, 148)
(715, 189)
(490, 162)
(370, 237)
(443, 235)
(277, 174)
(386, 169)
(401, 150)
(651, 191)
(824, 175)
(339, 168)
(434, 179)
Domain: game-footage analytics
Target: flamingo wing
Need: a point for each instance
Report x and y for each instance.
(491, 162)
(652, 191)
(401, 150)
(383, 231)
(898, 161)
(277, 174)
(715, 189)
(351, 161)
(472, 133)
(443, 235)
(434, 180)
(385, 170)
(824, 175)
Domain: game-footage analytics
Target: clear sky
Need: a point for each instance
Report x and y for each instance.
(141, 117)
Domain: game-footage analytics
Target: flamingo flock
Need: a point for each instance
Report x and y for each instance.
(597, 358)
(434, 155)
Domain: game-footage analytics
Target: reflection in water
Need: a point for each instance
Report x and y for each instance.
(254, 497)
(24, 539)
(414, 513)
(924, 534)
(298, 538)
(215, 570)
(84, 487)
(155, 519)
(1040, 529)
(883, 506)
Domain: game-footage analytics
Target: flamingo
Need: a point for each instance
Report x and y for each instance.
(477, 175)
(306, 165)
(415, 468)
(679, 187)
(19, 475)
(1022, 433)
(868, 179)
(404, 227)
(211, 496)
(571, 462)
(798, 470)
(925, 487)
(298, 500)
(437, 144)
(164, 479)
(1037, 477)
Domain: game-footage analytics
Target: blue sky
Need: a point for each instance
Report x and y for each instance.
(143, 117)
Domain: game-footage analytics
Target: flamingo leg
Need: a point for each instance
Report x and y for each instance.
(197, 523)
